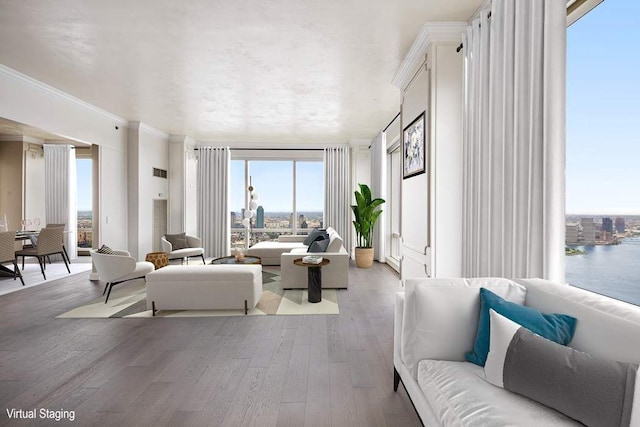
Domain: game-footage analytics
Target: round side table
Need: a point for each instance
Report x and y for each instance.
(314, 278)
(158, 259)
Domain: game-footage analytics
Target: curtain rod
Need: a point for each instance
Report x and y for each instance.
(459, 48)
(271, 149)
(391, 122)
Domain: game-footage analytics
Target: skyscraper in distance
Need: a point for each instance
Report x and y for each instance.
(260, 217)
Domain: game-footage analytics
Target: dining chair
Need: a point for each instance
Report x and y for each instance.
(49, 243)
(64, 249)
(8, 254)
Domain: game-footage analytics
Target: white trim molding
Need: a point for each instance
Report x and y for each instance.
(10, 72)
(149, 129)
(431, 32)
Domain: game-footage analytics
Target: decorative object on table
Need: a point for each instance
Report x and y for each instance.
(366, 212)
(246, 259)
(181, 246)
(312, 259)
(158, 259)
(414, 148)
(250, 212)
(314, 278)
(239, 255)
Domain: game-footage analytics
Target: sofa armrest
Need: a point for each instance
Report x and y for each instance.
(291, 238)
(166, 245)
(194, 242)
(397, 329)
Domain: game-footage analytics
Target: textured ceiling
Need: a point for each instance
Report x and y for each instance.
(254, 71)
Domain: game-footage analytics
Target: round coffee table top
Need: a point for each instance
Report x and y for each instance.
(298, 261)
(232, 260)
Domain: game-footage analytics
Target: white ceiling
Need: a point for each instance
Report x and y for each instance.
(252, 71)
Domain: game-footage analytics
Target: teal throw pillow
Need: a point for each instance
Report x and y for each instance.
(558, 328)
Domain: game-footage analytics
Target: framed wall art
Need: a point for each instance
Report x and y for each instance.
(414, 148)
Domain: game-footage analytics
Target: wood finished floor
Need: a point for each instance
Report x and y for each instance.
(234, 371)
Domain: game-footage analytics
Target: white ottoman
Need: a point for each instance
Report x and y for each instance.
(204, 287)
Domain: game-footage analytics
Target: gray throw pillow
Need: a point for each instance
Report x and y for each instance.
(319, 246)
(315, 235)
(178, 241)
(596, 392)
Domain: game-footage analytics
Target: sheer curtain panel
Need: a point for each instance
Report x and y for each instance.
(514, 141)
(213, 200)
(60, 196)
(379, 189)
(337, 187)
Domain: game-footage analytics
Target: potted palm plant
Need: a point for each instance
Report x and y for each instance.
(366, 212)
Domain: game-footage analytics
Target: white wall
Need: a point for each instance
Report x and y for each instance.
(112, 189)
(148, 149)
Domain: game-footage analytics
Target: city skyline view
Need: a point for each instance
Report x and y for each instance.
(603, 146)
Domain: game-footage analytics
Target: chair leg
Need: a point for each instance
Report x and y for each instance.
(23, 263)
(105, 288)
(65, 262)
(203, 261)
(108, 293)
(16, 271)
(41, 261)
(181, 261)
(64, 249)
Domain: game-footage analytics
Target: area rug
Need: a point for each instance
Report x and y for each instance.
(129, 300)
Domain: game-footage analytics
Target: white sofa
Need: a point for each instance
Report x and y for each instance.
(204, 287)
(334, 275)
(436, 322)
(269, 252)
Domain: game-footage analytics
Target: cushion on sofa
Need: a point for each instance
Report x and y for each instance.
(556, 327)
(315, 235)
(178, 241)
(104, 249)
(319, 246)
(596, 392)
(440, 316)
(460, 396)
(335, 242)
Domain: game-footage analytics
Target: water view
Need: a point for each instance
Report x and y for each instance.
(611, 270)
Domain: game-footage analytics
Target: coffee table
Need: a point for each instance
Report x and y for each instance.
(314, 278)
(232, 260)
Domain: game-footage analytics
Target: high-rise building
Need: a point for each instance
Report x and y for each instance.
(571, 234)
(588, 231)
(233, 220)
(607, 225)
(260, 217)
(620, 226)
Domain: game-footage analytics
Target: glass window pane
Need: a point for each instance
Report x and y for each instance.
(309, 196)
(273, 182)
(237, 200)
(85, 202)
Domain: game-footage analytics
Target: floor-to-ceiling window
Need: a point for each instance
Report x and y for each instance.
(84, 168)
(394, 166)
(603, 148)
(290, 196)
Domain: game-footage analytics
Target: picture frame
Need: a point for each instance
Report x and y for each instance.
(414, 153)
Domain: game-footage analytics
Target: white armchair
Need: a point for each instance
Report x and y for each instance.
(193, 249)
(117, 268)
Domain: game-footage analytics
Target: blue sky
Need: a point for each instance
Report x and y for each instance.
(84, 184)
(273, 181)
(603, 111)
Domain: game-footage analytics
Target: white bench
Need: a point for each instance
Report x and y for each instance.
(204, 287)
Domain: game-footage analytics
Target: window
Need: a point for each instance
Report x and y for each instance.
(84, 166)
(290, 198)
(602, 200)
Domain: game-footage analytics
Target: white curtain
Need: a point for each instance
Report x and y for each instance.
(337, 190)
(60, 196)
(213, 200)
(379, 189)
(514, 141)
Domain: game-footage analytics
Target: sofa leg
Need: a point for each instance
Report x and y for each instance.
(153, 308)
(396, 379)
(246, 308)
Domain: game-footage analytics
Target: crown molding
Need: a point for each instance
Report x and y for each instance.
(11, 73)
(146, 128)
(21, 138)
(431, 32)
